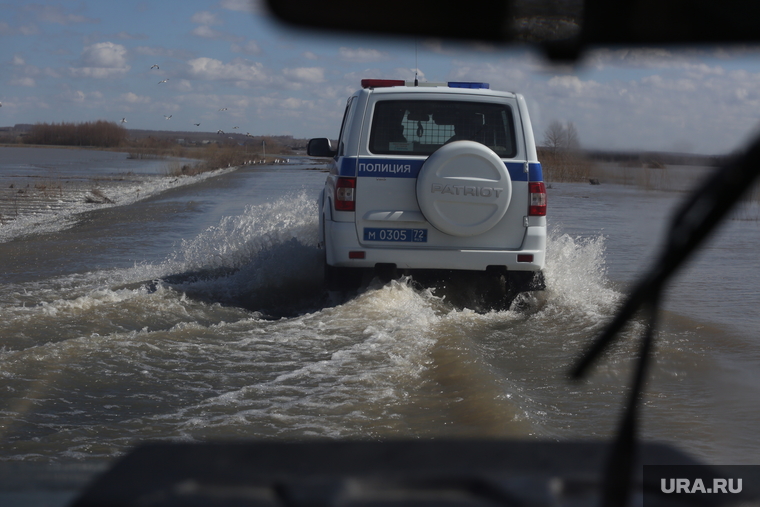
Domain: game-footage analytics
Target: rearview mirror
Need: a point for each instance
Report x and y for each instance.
(562, 28)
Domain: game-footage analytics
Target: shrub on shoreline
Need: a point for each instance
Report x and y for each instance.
(565, 165)
(101, 134)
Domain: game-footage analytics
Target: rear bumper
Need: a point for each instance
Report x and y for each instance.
(341, 239)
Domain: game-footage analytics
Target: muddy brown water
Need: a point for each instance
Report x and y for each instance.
(198, 314)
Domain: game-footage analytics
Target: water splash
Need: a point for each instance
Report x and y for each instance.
(263, 259)
(576, 276)
(238, 239)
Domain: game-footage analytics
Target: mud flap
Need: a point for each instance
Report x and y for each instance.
(342, 279)
(524, 281)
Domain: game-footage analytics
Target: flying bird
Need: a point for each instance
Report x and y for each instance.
(235, 128)
(167, 117)
(220, 132)
(165, 80)
(154, 66)
(124, 120)
(223, 109)
(197, 124)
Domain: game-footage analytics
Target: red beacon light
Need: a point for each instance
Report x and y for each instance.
(382, 83)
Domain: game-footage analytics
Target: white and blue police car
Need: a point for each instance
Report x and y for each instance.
(434, 181)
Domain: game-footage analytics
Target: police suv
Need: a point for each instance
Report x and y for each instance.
(437, 181)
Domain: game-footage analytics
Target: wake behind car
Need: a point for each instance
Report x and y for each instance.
(437, 181)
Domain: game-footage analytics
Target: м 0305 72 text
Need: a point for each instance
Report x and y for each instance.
(402, 235)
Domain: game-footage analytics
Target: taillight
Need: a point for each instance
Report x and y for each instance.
(345, 194)
(537, 206)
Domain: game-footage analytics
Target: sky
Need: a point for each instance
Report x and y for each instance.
(229, 63)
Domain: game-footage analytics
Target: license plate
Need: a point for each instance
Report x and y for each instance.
(398, 235)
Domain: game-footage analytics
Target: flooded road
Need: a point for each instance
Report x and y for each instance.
(197, 313)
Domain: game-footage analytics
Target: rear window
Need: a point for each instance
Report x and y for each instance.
(419, 127)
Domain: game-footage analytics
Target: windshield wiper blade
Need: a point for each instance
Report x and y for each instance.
(705, 208)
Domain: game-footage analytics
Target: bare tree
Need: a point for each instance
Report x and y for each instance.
(554, 136)
(571, 137)
(561, 157)
(559, 136)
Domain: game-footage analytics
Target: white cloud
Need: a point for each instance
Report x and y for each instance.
(677, 85)
(149, 51)
(294, 103)
(28, 30)
(305, 74)
(55, 14)
(249, 48)
(631, 58)
(406, 74)
(17, 60)
(205, 18)
(435, 46)
(133, 98)
(23, 81)
(250, 6)
(82, 98)
(102, 60)
(106, 55)
(183, 85)
(573, 86)
(6, 29)
(237, 5)
(207, 32)
(698, 70)
(124, 35)
(163, 52)
(361, 54)
(238, 70)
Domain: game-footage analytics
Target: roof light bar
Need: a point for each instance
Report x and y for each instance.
(387, 83)
(465, 84)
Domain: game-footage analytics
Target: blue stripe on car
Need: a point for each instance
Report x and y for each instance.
(410, 168)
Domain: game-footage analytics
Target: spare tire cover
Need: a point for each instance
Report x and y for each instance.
(464, 188)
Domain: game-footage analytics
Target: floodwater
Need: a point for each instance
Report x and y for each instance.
(197, 313)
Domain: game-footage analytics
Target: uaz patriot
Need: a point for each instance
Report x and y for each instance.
(435, 181)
